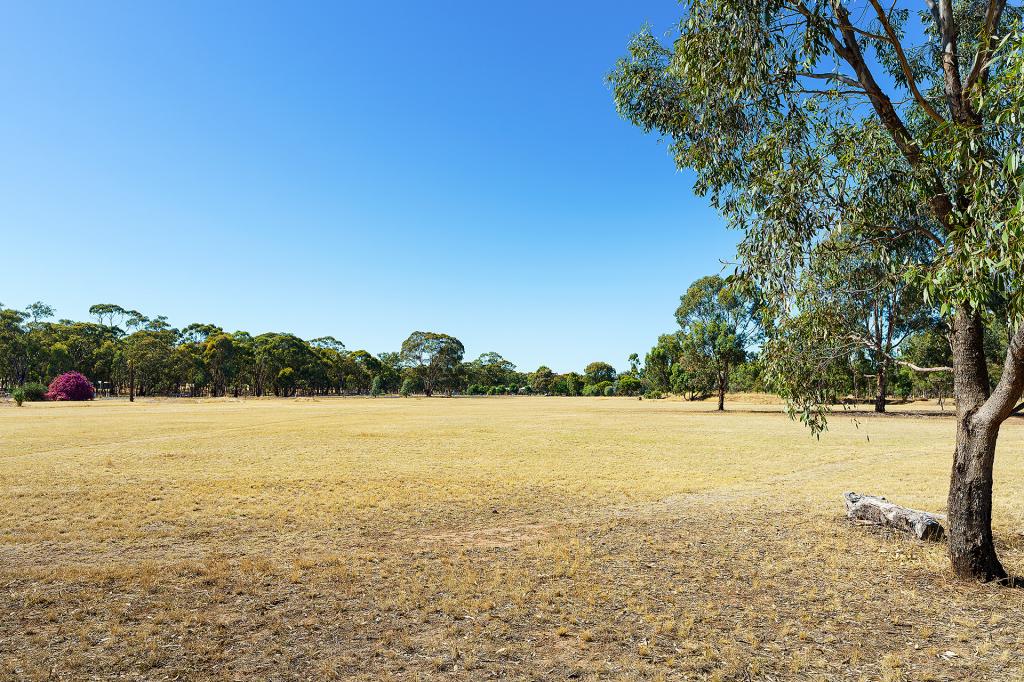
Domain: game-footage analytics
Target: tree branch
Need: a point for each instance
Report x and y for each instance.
(1007, 393)
(845, 80)
(867, 343)
(905, 63)
(949, 37)
(850, 51)
(986, 46)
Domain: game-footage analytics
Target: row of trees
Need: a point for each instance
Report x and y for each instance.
(714, 350)
(127, 353)
(859, 333)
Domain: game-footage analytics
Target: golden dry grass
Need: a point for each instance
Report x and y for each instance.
(516, 538)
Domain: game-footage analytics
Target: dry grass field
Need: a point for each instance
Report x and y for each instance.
(493, 538)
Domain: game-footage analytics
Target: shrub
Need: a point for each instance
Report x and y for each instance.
(609, 390)
(629, 386)
(19, 396)
(406, 388)
(34, 392)
(71, 386)
(597, 389)
(376, 388)
(653, 395)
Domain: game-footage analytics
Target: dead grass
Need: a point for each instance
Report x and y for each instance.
(518, 538)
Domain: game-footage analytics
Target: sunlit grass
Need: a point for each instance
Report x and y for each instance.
(467, 538)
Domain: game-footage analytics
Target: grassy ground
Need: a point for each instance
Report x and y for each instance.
(515, 538)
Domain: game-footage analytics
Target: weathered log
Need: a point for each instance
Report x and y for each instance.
(881, 512)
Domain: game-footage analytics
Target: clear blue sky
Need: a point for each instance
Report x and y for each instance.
(359, 169)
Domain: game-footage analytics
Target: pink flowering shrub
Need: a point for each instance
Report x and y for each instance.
(71, 386)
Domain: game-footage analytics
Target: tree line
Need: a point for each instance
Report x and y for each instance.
(718, 347)
(126, 353)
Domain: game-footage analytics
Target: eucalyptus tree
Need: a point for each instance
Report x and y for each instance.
(660, 360)
(390, 371)
(491, 369)
(541, 380)
(433, 359)
(39, 311)
(864, 308)
(807, 118)
(219, 358)
(718, 323)
(599, 372)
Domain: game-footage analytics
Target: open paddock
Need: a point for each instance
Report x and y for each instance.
(466, 539)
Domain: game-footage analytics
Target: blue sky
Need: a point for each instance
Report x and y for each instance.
(347, 168)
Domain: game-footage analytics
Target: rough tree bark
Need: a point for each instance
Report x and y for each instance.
(722, 382)
(880, 388)
(979, 415)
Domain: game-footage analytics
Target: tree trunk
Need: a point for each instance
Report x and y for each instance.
(723, 381)
(131, 383)
(880, 386)
(971, 549)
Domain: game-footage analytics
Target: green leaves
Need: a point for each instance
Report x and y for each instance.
(769, 104)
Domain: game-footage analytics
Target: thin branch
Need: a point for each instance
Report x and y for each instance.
(921, 369)
(986, 45)
(1007, 392)
(892, 358)
(845, 80)
(874, 36)
(905, 63)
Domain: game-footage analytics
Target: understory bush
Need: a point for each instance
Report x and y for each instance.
(597, 389)
(34, 392)
(71, 386)
(19, 396)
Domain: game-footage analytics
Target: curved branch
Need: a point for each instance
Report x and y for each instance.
(905, 64)
(867, 343)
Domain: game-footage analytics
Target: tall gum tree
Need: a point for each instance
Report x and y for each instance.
(806, 119)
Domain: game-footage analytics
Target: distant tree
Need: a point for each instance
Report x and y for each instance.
(390, 371)
(39, 311)
(434, 359)
(328, 342)
(107, 313)
(597, 372)
(285, 381)
(198, 332)
(542, 379)
(660, 361)
(492, 369)
(629, 385)
(634, 364)
(574, 383)
(718, 324)
(219, 356)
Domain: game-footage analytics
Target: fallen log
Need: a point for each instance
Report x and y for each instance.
(881, 512)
